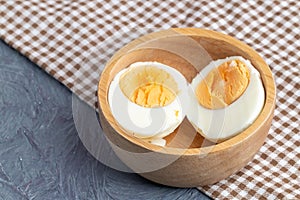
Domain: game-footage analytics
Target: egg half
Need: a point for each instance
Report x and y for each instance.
(225, 98)
(147, 100)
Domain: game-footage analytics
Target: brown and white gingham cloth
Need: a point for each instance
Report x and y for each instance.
(72, 41)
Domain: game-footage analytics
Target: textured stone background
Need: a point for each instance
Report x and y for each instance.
(41, 155)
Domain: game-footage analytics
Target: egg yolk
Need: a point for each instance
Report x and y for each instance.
(223, 85)
(152, 95)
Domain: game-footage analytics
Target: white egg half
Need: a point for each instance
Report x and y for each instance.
(150, 123)
(220, 124)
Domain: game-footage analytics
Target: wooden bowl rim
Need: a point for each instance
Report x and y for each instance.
(266, 76)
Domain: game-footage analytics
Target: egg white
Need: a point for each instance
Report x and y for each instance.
(220, 124)
(148, 123)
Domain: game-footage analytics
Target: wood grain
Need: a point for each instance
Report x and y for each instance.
(196, 161)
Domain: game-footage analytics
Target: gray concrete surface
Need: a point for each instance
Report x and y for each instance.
(41, 155)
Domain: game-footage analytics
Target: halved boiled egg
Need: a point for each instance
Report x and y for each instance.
(147, 100)
(226, 97)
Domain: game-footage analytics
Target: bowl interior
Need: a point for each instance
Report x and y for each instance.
(188, 52)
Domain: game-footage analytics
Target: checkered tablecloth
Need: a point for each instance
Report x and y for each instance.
(72, 41)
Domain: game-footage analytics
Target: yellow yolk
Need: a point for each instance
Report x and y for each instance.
(223, 85)
(152, 95)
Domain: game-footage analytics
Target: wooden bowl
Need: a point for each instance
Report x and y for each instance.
(188, 160)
